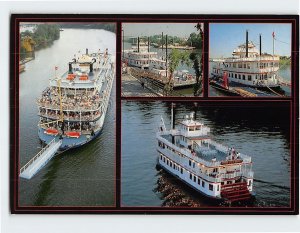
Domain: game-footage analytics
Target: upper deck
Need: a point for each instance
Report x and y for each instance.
(85, 72)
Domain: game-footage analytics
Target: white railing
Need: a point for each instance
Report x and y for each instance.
(36, 156)
(78, 118)
(188, 154)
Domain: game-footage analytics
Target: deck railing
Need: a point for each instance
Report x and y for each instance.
(188, 154)
(37, 156)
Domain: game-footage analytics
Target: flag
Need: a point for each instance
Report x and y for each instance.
(273, 34)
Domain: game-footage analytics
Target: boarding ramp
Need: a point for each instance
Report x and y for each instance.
(40, 159)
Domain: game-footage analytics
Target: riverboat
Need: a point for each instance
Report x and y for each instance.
(155, 67)
(212, 169)
(248, 67)
(73, 108)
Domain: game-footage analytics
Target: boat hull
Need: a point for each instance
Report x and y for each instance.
(68, 142)
(165, 168)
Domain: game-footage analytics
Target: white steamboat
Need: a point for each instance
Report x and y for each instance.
(210, 168)
(248, 66)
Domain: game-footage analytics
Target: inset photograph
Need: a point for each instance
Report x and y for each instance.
(250, 59)
(199, 155)
(67, 114)
(162, 59)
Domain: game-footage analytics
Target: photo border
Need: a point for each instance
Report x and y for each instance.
(180, 18)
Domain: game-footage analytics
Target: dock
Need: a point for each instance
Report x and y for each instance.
(40, 160)
(131, 86)
(244, 91)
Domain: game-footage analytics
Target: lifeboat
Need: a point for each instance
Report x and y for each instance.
(73, 134)
(71, 76)
(84, 77)
(51, 131)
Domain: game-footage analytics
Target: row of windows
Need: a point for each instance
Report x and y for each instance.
(239, 76)
(139, 62)
(249, 77)
(248, 66)
(196, 179)
(171, 164)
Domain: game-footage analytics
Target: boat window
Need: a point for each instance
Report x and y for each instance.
(190, 162)
(171, 164)
(203, 183)
(199, 181)
(167, 162)
(194, 178)
(191, 176)
(244, 65)
(240, 65)
(174, 166)
(193, 165)
(249, 77)
(211, 187)
(248, 65)
(218, 187)
(239, 76)
(234, 65)
(243, 77)
(181, 170)
(235, 75)
(164, 159)
(161, 157)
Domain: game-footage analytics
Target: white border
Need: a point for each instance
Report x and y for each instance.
(126, 223)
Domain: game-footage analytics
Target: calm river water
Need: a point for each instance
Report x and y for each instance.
(79, 177)
(260, 132)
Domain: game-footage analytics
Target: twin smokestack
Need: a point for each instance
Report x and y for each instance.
(248, 46)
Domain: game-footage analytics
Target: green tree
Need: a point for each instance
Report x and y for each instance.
(174, 59)
(196, 57)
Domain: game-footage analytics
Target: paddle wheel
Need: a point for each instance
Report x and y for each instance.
(235, 192)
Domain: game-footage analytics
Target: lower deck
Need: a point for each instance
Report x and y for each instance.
(67, 142)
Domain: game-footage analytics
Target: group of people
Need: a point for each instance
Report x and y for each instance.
(85, 116)
(83, 100)
(232, 154)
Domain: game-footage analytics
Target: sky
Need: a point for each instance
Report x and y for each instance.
(225, 37)
(149, 29)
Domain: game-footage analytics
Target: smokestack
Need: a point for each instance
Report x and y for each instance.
(86, 51)
(172, 121)
(138, 44)
(91, 67)
(148, 44)
(166, 56)
(259, 44)
(70, 68)
(162, 41)
(246, 43)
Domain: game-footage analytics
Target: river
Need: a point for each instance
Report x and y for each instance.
(256, 131)
(79, 177)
